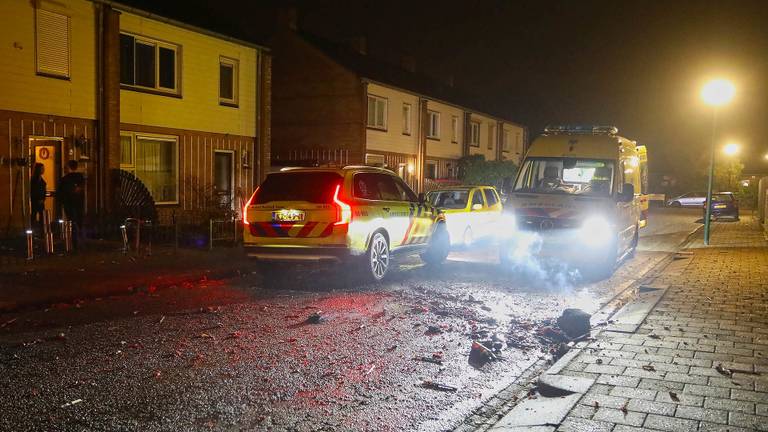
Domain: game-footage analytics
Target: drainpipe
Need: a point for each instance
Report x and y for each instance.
(101, 136)
(499, 137)
(421, 151)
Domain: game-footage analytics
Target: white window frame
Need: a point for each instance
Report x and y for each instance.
(433, 124)
(491, 136)
(377, 101)
(407, 115)
(474, 134)
(433, 163)
(505, 140)
(38, 68)
(235, 65)
(157, 44)
(455, 129)
(135, 136)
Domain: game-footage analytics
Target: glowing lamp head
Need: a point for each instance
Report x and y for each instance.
(731, 149)
(718, 92)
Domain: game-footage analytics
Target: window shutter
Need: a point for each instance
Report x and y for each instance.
(52, 43)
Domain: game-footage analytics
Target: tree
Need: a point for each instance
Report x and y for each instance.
(475, 169)
(727, 174)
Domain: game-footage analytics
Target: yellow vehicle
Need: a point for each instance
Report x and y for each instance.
(357, 214)
(579, 193)
(471, 212)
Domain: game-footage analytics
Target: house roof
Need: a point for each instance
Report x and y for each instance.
(370, 68)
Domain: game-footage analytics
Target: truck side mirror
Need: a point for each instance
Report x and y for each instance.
(627, 193)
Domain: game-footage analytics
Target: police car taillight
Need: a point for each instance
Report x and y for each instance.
(248, 204)
(343, 210)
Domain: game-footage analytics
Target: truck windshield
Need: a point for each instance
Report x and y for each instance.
(590, 177)
(449, 199)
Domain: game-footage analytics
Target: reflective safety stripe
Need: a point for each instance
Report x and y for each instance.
(287, 229)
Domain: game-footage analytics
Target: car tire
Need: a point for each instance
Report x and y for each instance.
(439, 247)
(676, 204)
(635, 242)
(378, 258)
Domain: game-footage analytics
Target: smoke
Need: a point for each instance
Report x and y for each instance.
(525, 261)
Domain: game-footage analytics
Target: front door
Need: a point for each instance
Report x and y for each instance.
(223, 179)
(46, 151)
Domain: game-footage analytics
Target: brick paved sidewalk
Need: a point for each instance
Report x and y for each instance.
(699, 361)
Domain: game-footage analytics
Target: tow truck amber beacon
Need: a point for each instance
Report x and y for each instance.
(583, 192)
(353, 215)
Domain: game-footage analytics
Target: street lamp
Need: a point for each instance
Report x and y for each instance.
(715, 93)
(731, 149)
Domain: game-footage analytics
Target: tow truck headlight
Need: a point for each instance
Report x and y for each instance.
(596, 231)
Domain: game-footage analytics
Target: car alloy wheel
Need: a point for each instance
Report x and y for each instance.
(379, 256)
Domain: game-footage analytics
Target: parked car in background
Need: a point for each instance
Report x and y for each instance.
(357, 216)
(471, 212)
(724, 204)
(691, 199)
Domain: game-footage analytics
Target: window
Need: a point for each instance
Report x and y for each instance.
(454, 129)
(148, 64)
(474, 137)
(154, 160)
(406, 119)
(477, 198)
(505, 140)
(228, 81)
(377, 112)
(491, 136)
(312, 187)
(518, 143)
(433, 126)
(490, 197)
(375, 160)
(430, 170)
(52, 43)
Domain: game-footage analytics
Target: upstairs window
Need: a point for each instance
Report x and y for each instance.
(474, 136)
(491, 136)
(433, 126)
(228, 81)
(505, 140)
(406, 119)
(148, 64)
(52, 38)
(377, 112)
(454, 129)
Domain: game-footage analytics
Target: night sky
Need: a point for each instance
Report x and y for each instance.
(637, 65)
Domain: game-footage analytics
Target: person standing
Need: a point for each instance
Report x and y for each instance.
(37, 191)
(71, 194)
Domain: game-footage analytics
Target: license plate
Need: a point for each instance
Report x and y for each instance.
(720, 206)
(288, 215)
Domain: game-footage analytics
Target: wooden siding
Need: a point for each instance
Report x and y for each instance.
(198, 107)
(195, 176)
(15, 130)
(21, 88)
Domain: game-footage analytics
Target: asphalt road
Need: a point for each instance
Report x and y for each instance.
(239, 354)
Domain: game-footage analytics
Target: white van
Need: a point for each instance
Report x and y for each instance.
(578, 192)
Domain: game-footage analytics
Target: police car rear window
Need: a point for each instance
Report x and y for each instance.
(314, 187)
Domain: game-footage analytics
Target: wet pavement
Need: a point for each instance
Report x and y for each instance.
(239, 354)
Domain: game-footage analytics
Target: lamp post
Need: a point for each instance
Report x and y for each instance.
(715, 93)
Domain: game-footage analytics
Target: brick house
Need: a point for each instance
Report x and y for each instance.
(185, 109)
(336, 105)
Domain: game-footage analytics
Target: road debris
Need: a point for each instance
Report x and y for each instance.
(649, 368)
(574, 322)
(438, 386)
(480, 354)
(723, 370)
(314, 318)
(426, 359)
(673, 396)
(74, 402)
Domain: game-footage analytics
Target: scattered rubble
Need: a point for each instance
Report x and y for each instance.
(574, 322)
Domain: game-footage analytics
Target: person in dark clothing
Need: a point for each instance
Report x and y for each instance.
(71, 194)
(37, 191)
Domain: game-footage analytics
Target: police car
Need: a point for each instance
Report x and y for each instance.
(352, 215)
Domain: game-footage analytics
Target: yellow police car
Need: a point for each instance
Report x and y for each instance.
(357, 214)
(471, 212)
